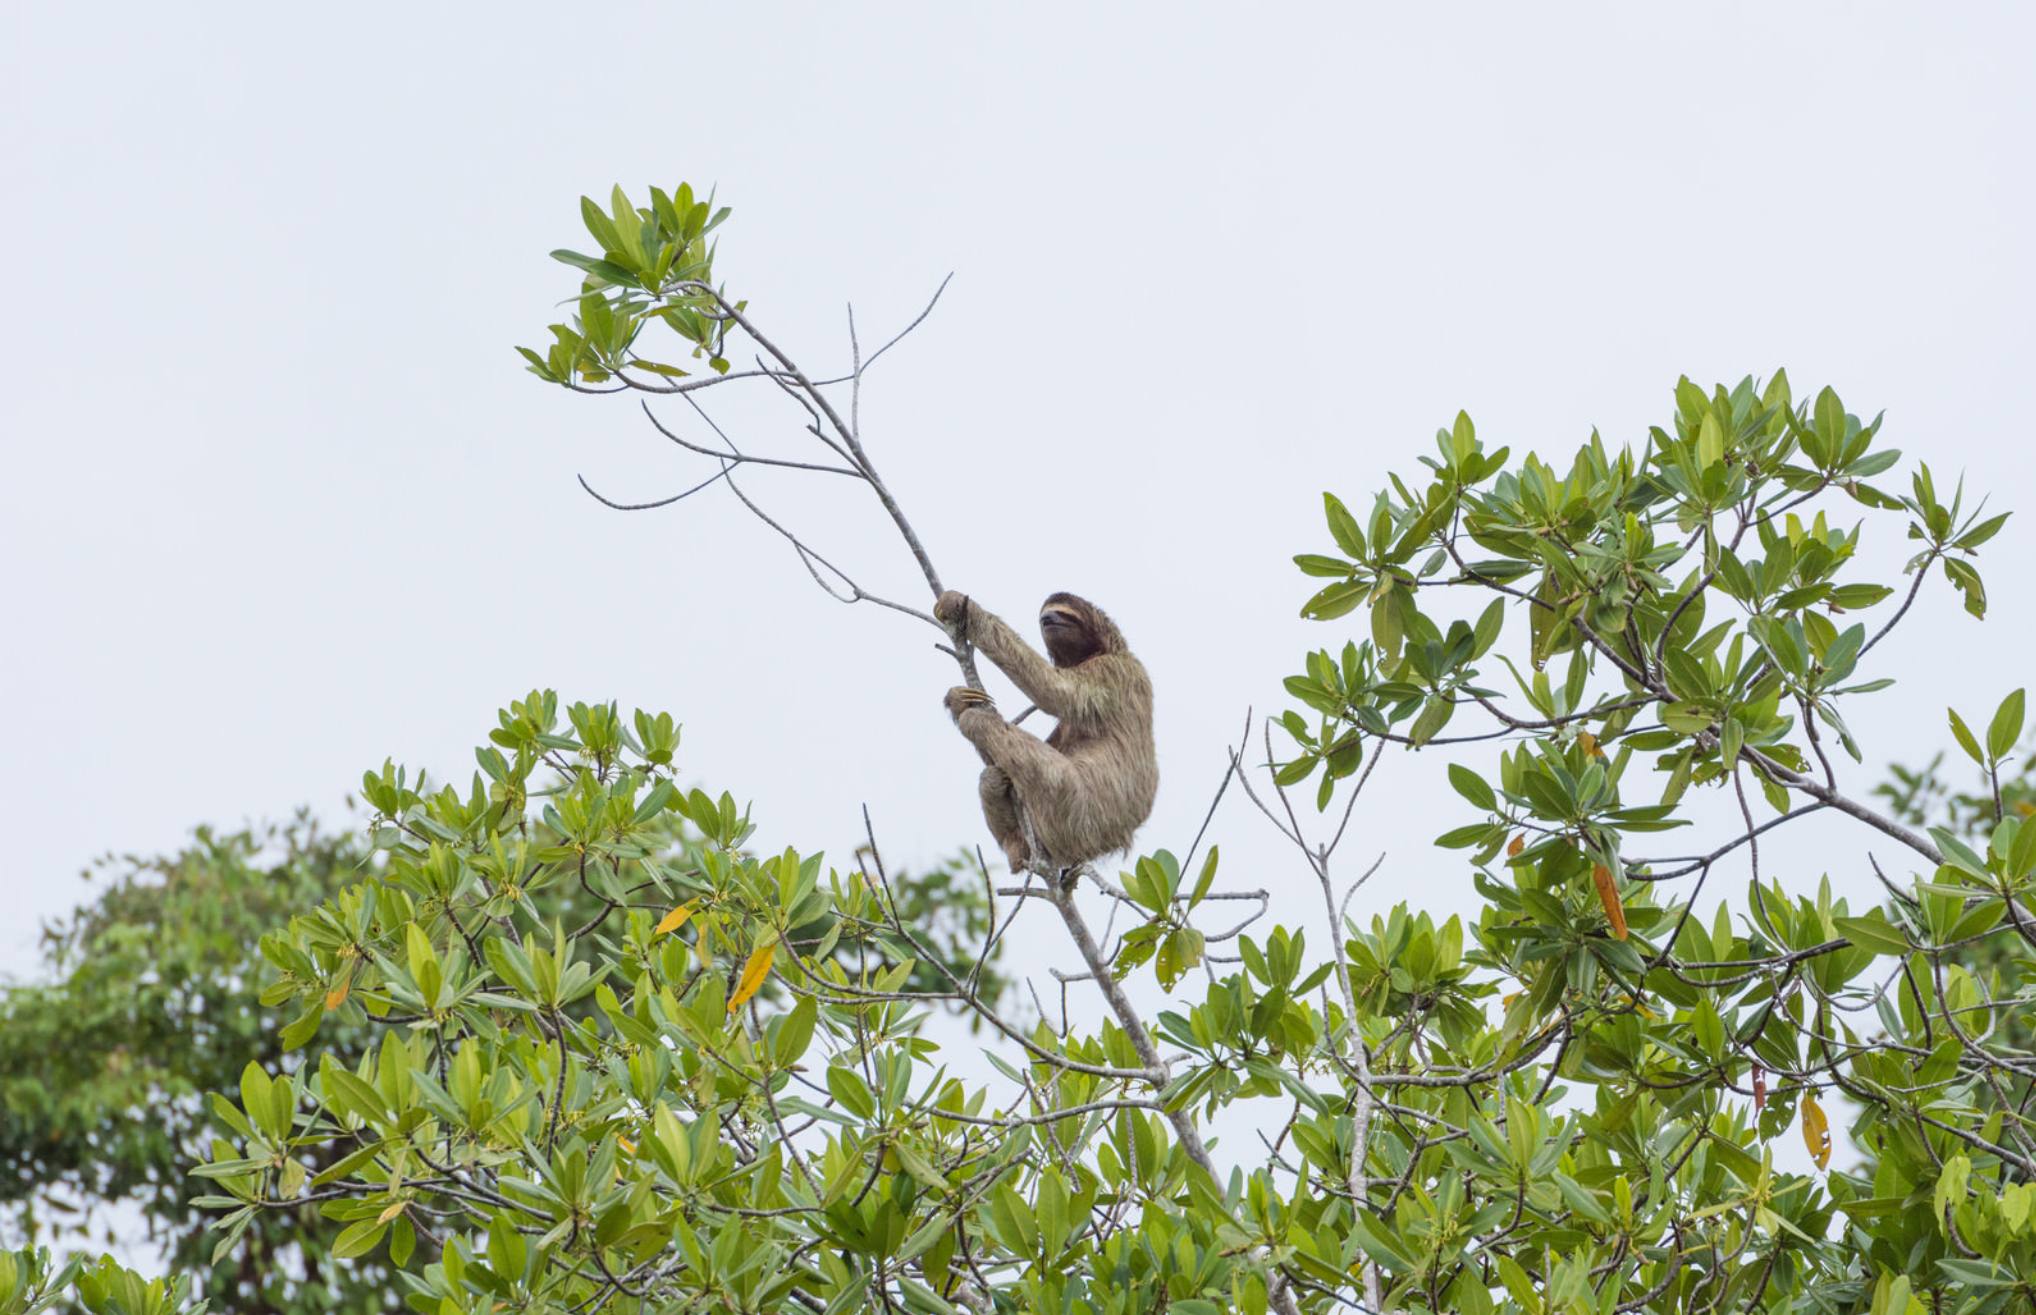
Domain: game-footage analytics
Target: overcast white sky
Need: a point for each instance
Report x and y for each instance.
(279, 502)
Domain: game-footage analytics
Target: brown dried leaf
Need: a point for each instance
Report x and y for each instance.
(1816, 1131)
(1608, 895)
(753, 974)
(336, 997)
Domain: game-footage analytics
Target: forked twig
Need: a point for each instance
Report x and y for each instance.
(840, 435)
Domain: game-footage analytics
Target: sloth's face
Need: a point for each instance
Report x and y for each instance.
(1066, 632)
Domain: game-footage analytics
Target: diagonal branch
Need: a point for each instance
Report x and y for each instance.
(840, 435)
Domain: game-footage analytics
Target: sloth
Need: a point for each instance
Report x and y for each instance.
(1090, 784)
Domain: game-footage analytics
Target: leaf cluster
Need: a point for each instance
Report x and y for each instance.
(656, 266)
(705, 1087)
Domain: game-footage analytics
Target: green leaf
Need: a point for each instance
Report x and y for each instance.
(1966, 740)
(1958, 854)
(305, 1026)
(2022, 853)
(1343, 527)
(1829, 418)
(1178, 951)
(357, 1239)
(1581, 1199)
(1295, 772)
(1853, 597)
(1334, 568)
(1486, 632)
(1473, 787)
(922, 1241)
(271, 1105)
(1873, 932)
(654, 803)
(598, 224)
(2006, 727)
(1206, 879)
(1381, 1243)
(1872, 497)
(848, 1087)
(347, 1165)
(1980, 533)
(1973, 1274)
(1710, 441)
(1730, 740)
(605, 270)
(1978, 920)
(350, 1094)
(1338, 599)
(1435, 714)
(1686, 718)
(917, 1166)
(1951, 1186)
(795, 1033)
(402, 1241)
(1967, 582)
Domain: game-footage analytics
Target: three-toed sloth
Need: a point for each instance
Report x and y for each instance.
(1090, 784)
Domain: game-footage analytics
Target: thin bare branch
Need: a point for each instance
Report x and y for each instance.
(674, 389)
(917, 320)
(842, 428)
(736, 457)
(647, 506)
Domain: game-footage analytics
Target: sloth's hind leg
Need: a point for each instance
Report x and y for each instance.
(1000, 810)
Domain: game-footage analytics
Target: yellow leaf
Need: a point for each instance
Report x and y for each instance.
(337, 995)
(1590, 744)
(626, 1144)
(675, 919)
(1519, 843)
(394, 1208)
(1608, 895)
(753, 974)
(1816, 1132)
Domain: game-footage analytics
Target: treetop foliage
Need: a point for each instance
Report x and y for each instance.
(706, 1087)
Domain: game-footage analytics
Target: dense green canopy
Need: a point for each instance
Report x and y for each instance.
(563, 1041)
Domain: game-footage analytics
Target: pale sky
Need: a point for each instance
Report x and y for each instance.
(279, 501)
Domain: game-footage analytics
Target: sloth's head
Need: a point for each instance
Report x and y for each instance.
(1076, 630)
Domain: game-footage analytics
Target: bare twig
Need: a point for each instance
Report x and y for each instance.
(647, 506)
(734, 457)
(841, 435)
